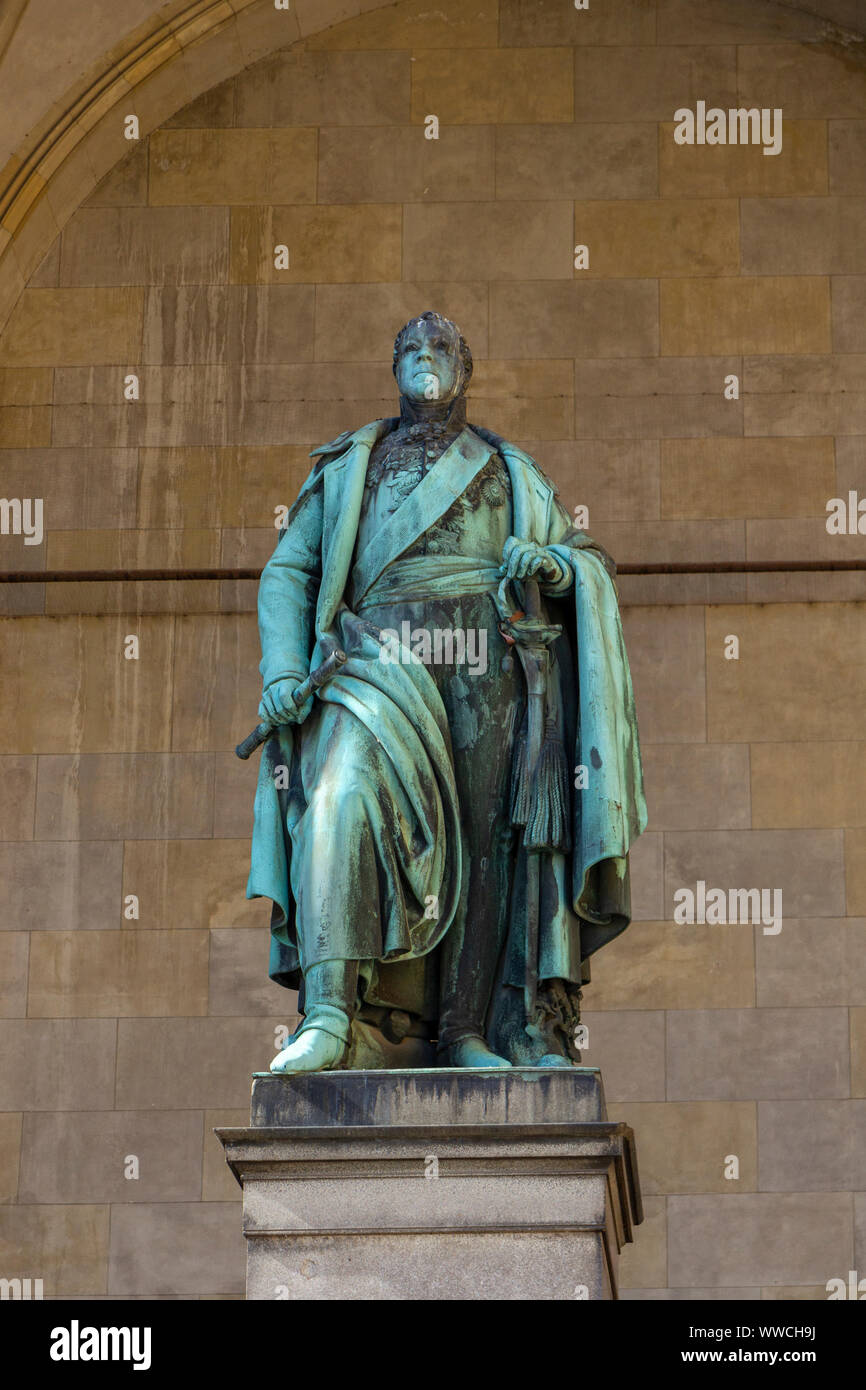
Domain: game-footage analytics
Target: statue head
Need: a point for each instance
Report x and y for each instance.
(432, 361)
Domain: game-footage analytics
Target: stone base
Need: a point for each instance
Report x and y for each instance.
(436, 1184)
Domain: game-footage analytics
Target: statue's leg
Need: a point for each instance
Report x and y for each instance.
(484, 712)
(470, 954)
(344, 871)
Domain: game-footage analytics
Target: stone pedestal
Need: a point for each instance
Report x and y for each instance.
(441, 1184)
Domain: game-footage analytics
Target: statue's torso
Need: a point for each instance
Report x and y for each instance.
(477, 524)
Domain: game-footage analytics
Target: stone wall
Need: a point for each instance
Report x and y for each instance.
(133, 1036)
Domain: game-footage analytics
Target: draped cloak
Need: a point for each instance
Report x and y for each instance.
(305, 612)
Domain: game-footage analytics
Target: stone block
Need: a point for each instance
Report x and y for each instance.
(647, 1262)
(73, 327)
(219, 1183)
(25, 426)
(645, 865)
(552, 318)
(523, 240)
(628, 1047)
(212, 167)
(848, 293)
(808, 81)
(272, 323)
(64, 886)
(805, 865)
(191, 1063)
(18, 806)
(79, 491)
(295, 88)
(96, 1147)
(25, 386)
(118, 974)
(64, 1246)
(358, 323)
(858, 1052)
(730, 1240)
(10, 1151)
(685, 1145)
(655, 396)
(584, 160)
(145, 246)
(785, 795)
(229, 646)
(662, 237)
(616, 479)
(808, 696)
(126, 184)
(238, 972)
(14, 949)
(746, 477)
(176, 1249)
(714, 171)
(814, 962)
(662, 965)
(696, 786)
(811, 1145)
(769, 314)
(855, 871)
(414, 25)
(99, 796)
(91, 697)
(334, 245)
(803, 236)
(213, 109)
(664, 646)
(529, 23)
(190, 884)
(847, 157)
(757, 1054)
(651, 83)
(218, 487)
(505, 86)
(395, 164)
(82, 1069)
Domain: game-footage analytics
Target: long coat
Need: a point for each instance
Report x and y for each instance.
(304, 614)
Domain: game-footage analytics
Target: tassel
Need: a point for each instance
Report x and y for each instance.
(547, 826)
(520, 781)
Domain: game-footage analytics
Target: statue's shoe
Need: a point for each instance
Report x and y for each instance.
(312, 1050)
(474, 1052)
(552, 1059)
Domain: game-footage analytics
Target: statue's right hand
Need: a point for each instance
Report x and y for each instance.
(278, 705)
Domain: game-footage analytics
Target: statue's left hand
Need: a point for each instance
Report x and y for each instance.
(526, 560)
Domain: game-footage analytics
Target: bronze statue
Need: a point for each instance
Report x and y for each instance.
(444, 813)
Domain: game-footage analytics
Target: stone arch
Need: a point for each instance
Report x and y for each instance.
(184, 50)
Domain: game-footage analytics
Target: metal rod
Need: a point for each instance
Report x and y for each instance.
(672, 567)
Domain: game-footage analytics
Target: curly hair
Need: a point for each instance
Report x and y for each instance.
(430, 316)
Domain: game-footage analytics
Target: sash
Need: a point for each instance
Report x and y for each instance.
(432, 577)
(438, 490)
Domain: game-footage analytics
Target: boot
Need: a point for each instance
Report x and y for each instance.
(321, 1043)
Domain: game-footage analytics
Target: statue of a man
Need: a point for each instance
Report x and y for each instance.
(444, 828)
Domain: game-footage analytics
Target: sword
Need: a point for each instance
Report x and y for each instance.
(300, 695)
(533, 637)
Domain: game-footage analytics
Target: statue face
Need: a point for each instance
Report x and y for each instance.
(429, 366)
